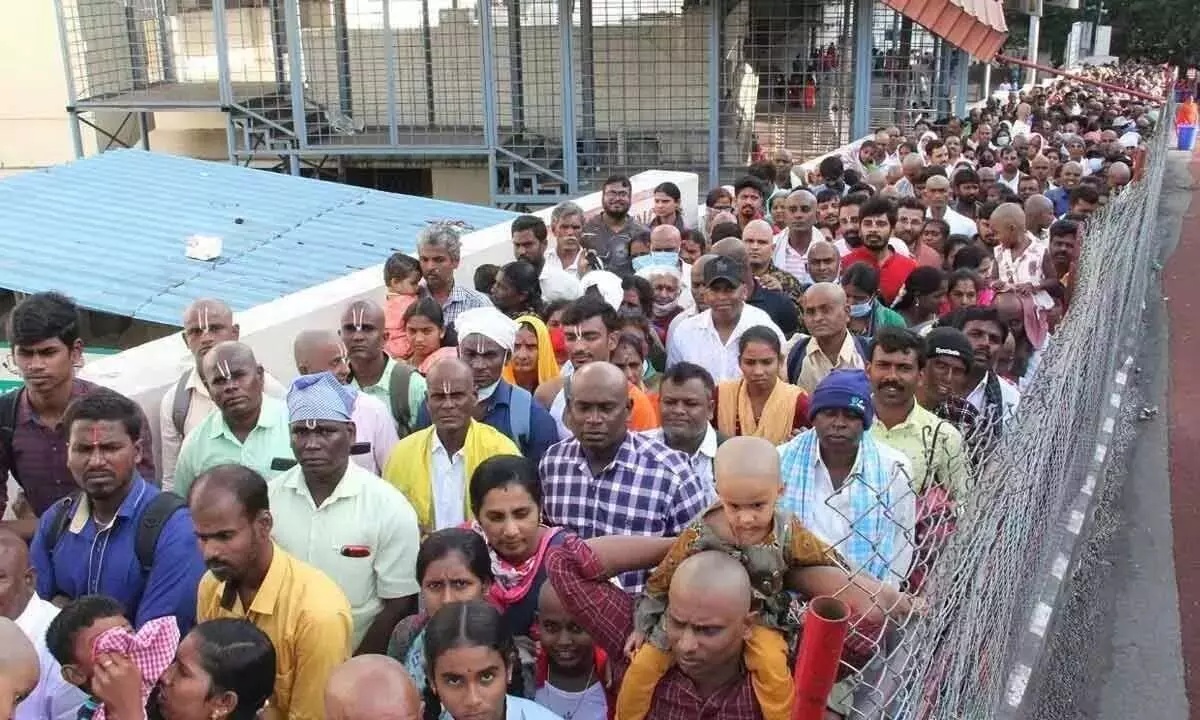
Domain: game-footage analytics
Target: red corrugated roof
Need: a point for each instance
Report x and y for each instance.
(976, 26)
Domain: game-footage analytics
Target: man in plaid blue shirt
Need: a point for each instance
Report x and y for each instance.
(609, 481)
(439, 248)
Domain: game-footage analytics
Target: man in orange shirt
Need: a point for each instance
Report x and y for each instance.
(877, 218)
(591, 327)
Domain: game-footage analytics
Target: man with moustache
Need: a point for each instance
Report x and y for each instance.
(876, 225)
(395, 383)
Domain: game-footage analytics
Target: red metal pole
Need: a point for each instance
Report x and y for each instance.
(1078, 78)
(825, 625)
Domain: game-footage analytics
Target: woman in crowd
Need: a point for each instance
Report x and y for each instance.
(666, 283)
(552, 314)
(630, 356)
(517, 290)
(223, 669)
(760, 403)
(472, 666)
(638, 297)
(666, 206)
(867, 314)
(426, 328)
(693, 244)
(655, 350)
(777, 213)
(962, 290)
(532, 362)
(506, 499)
(923, 294)
(453, 565)
(954, 245)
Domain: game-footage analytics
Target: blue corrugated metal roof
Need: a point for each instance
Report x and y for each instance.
(110, 231)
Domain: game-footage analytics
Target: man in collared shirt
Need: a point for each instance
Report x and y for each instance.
(322, 351)
(852, 491)
(830, 345)
(394, 383)
(791, 245)
(566, 223)
(609, 232)
(782, 310)
(934, 447)
(485, 343)
(44, 332)
(876, 225)
(685, 400)
(433, 466)
(249, 577)
(609, 481)
(184, 405)
(250, 427)
(346, 522)
(54, 698)
(710, 339)
(529, 239)
(439, 249)
(86, 544)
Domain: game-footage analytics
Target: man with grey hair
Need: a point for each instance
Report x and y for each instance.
(566, 225)
(439, 248)
(1118, 176)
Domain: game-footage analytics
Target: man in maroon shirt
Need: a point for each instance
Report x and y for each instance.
(710, 618)
(44, 332)
(877, 218)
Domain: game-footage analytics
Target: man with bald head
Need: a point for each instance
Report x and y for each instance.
(936, 196)
(249, 428)
(824, 264)
(433, 466)
(1018, 254)
(830, 345)
(1039, 215)
(911, 166)
(1068, 178)
(759, 240)
(54, 698)
(323, 351)
(607, 480)
(1118, 176)
(372, 687)
(206, 322)
(393, 382)
(791, 245)
(19, 673)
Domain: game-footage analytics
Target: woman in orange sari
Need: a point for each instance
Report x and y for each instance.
(760, 404)
(532, 361)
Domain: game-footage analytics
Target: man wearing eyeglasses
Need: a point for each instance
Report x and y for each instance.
(609, 232)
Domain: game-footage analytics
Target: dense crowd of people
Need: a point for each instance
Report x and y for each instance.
(601, 483)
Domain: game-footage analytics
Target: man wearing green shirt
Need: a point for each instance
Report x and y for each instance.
(249, 428)
(364, 333)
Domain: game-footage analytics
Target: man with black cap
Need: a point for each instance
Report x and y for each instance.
(710, 339)
(944, 384)
(847, 487)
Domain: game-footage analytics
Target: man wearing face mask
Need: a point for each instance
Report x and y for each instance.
(485, 343)
(665, 242)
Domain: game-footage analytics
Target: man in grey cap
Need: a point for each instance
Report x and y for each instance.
(347, 522)
(943, 387)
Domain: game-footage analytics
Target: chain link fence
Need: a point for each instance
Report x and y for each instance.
(980, 558)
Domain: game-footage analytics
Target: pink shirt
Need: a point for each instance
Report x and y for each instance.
(397, 345)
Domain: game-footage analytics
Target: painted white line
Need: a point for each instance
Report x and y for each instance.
(1115, 400)
(1017, 682)
(1089, 485)
(1101, 452)
(1040, 619)
(1122, 377)
(1110, 424)
(1059, 568)
(1075, 522)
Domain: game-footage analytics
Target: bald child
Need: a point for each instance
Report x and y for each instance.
(372, 687)
(18, 667)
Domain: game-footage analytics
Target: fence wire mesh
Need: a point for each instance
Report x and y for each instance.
(978, 559)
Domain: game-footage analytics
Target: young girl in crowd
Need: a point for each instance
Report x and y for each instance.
(963, 290)
(452, 565)
(923, 294)
(426, 328)
(472, 667)
(630, 356)
(760, 404)
(401, 275)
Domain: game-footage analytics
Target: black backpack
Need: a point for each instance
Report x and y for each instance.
(9, 403)
(150, 525)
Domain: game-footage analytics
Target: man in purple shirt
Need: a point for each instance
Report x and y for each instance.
(44, 332)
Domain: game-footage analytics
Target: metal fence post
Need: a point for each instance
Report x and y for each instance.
(960, 96)
(389, 49)
(488, 81)
(224, 84)
(296, 70)
(864, 65)
(714, 93)
(566, 55)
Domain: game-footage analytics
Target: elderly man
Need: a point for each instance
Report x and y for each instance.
(823, 263)
(392, 694)
(394, 383)
(250, 427)
(911, 166)
(486, 338)
(936, 196)
(54, 698)
(206, 322)
(19, 674)
(710, 339)
(1039, 214)
(854, 492)
(760, 246)
(439, 248)
(249, 577)
(1040, 169)
(792, 244)
(1118, 176)
(686, 398)
(314, 502)
(609, 481)
(566, 223)
(830, 345)
(448, 451)
(665, 243)
(609, 232)
(530, 243)
(320, 351)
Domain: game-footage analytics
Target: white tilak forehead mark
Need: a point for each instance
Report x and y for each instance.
(224, 369)
(358, 316)
(204, 325)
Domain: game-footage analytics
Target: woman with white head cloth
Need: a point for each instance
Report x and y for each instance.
(486, 339)
(669, 296)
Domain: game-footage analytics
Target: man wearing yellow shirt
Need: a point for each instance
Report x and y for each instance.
(249, 428)
(934, 446)
(344, 520)
(303, 612)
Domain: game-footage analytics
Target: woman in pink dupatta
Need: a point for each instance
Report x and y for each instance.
(506, 500)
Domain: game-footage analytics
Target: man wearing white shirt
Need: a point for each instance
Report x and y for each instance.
(686, 399)
(53, 698)
(936, 196)
(566, 223)
(1010, 173)
(710, 339)
(791, 245)
(530, 239)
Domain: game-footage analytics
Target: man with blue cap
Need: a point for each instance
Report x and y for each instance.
(341, 518)
(850, 489)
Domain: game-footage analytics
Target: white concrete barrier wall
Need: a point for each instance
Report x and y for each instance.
(146, 372)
